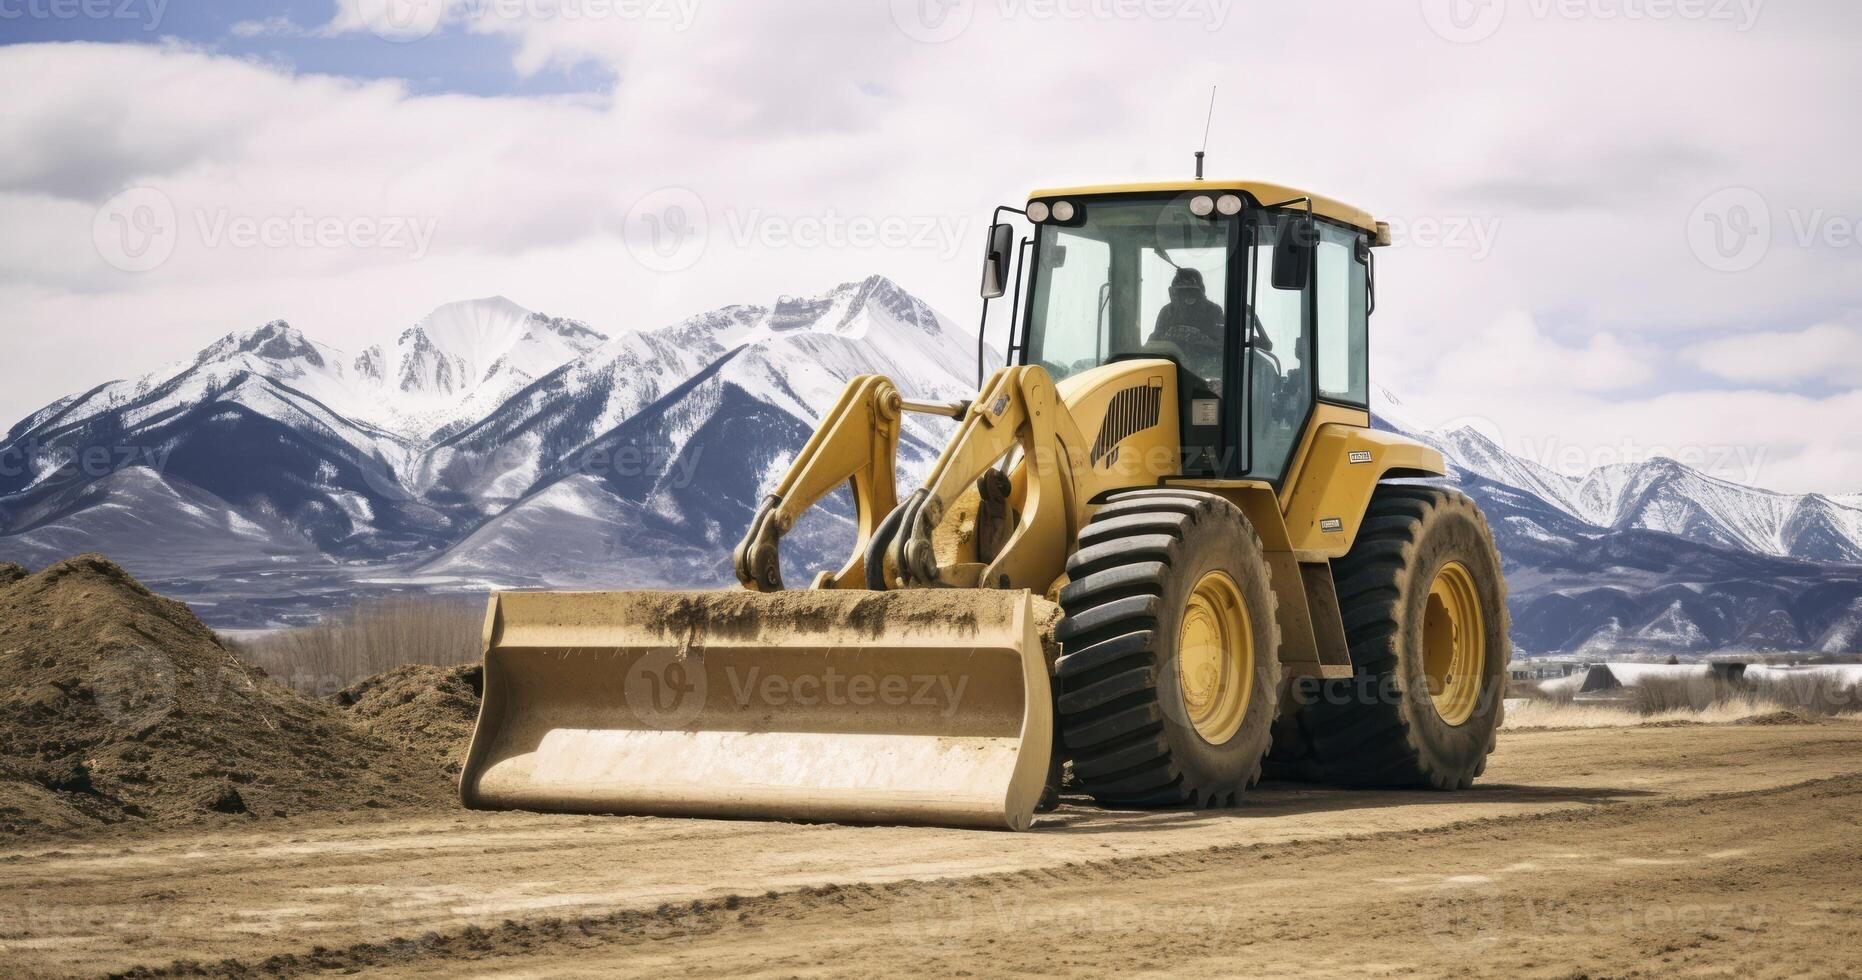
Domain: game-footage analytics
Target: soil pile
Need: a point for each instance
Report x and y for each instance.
(119, 704)
(428, 710)
(1782, 717)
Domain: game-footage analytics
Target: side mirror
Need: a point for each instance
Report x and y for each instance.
(996, 259)
(1293, 256)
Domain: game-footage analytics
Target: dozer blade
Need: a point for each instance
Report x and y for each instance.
(918, 706)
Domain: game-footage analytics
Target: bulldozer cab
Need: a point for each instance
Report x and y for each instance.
(1264, 308)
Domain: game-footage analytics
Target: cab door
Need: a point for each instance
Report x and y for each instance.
(1275, 349)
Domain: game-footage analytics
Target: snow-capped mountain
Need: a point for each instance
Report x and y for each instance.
(1656, 557)
(674, 436)
(1664, 495)
(289, 433)
(465, 359)
(489, 445)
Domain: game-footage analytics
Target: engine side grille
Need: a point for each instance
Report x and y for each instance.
(1131, 411)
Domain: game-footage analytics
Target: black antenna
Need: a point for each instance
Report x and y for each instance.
(1206, 123)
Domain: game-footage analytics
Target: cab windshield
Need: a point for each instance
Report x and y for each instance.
(1132, 277)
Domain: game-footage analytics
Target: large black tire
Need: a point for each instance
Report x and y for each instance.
(1123, 715)
(1382, 727)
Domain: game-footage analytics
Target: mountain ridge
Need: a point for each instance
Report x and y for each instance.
(535, 451)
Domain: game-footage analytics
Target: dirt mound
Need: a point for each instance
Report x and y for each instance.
(120, 704)
(428, 710)
(10, 573)
(1783, 717)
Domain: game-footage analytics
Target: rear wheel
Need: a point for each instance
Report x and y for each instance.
(1424, 604)
(1169, 669)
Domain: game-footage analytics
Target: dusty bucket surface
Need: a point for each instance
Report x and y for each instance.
(922, 706)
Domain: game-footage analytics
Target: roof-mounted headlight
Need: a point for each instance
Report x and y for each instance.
(1037, 212)
(1063, 211)
(1202, 205)
(1228, 204)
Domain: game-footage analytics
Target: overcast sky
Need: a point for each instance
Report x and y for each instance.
(1626, 227)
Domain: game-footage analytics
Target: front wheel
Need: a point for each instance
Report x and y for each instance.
(1424, 604)
(1169, 670)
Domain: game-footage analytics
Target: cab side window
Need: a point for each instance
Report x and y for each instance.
(1280, 372)
(1343, 284)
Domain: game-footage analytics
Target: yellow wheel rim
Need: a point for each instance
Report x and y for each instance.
(1454, 644)
(1215, 658)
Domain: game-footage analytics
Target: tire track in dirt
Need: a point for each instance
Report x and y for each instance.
(950, 923)
(283, 887)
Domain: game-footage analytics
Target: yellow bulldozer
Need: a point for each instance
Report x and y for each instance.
(1164, 549)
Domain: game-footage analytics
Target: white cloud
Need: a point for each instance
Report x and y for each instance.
(1577, 148)
(269, 27)
(1827, 352)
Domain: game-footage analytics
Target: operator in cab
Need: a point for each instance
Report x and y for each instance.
(1194, 324)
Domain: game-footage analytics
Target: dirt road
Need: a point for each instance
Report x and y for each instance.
(1665, 850)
